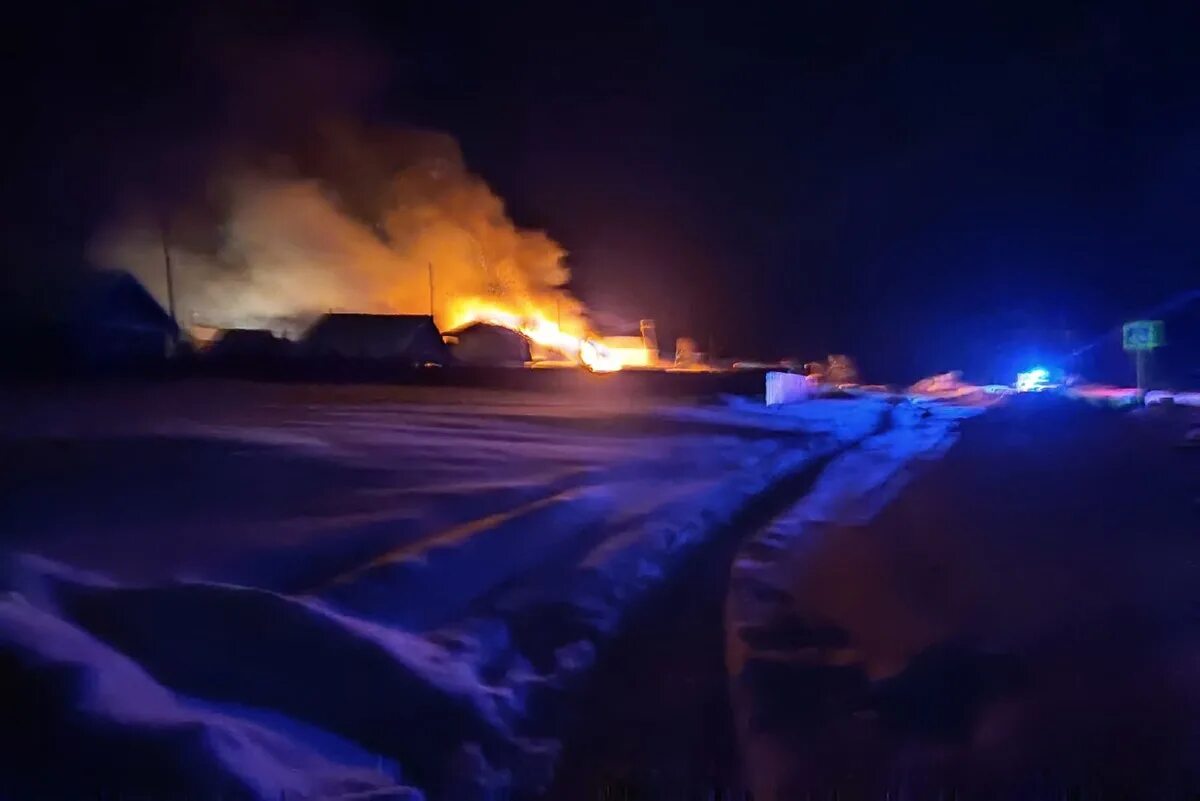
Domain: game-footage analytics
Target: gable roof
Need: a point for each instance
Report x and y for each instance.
(409, 336)
(106, 299)
(486, 343)
(116, 299)
(479, 326)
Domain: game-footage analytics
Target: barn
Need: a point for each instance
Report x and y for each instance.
(482, 344)
(410, 339)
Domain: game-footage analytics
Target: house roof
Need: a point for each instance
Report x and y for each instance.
(480, 326)
(398, 333)
(339, 323)
(106, 298)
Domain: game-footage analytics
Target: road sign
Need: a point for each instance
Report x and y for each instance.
(1142, 335)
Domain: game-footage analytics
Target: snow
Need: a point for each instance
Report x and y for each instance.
(1101, 393)
(847, 420)
(853, 489)
(373, 590)
(1179, 398)
(1124, 396)
(951, 387)
(859, 482)
(942, 383)
(107, 713)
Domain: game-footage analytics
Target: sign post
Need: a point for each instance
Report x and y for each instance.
(1140, 337)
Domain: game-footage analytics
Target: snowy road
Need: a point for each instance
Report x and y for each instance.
(328, 591)
(659, 720)
(1022, 622)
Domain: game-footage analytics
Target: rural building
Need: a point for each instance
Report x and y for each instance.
(404, 338)
(93, 318)
(484, 344)
(247, 344)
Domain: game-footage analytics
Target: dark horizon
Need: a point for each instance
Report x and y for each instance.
(966, 189)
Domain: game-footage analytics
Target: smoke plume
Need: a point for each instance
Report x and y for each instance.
(357, 223)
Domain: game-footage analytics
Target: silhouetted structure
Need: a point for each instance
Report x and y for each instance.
(483, 344)
(410, 339)
(248, 344)
(95, 319)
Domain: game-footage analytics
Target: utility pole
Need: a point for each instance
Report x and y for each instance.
(170, 277)
(430, 289)
(1142, 379)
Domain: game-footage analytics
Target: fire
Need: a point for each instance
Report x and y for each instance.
(285, 247)
(629, 351)
(534, 323)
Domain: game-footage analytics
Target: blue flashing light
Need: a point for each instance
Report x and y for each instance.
(1033, 380)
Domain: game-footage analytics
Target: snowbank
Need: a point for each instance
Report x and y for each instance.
(1179, 398)
(85, 717)
(950, 387)
(1103, 394)
(1127, 396)
(942, 385)
(367, 594)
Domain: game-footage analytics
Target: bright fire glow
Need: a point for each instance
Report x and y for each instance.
(629, 351)
(1033, 380)
(540, 329)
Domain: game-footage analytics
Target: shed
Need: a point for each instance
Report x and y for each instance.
(484, 344)
(407, 338)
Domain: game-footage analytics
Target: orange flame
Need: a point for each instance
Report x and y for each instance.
(537, 326)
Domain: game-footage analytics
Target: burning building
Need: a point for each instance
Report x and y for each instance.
(419, 235)
(483, 344)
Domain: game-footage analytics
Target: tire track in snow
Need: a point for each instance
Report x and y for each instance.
(763, 634)
(655, 719)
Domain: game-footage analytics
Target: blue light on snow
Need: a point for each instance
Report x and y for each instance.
(1033, 380)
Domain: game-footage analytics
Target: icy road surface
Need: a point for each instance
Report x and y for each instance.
(328, 592)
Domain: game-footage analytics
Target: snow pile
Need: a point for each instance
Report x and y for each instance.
(949, 383)
(112, 725)
(1103, 394)
(324, 593)
(1178, 398)
(1128, 396)
(841, 419)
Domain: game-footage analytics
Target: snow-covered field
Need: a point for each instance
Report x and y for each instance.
(275, 591)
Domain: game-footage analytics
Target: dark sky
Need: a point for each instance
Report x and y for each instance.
(924, 186)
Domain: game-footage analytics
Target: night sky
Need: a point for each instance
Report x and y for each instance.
(925, 187)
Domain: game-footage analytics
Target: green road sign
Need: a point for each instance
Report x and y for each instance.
(1142, 334)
